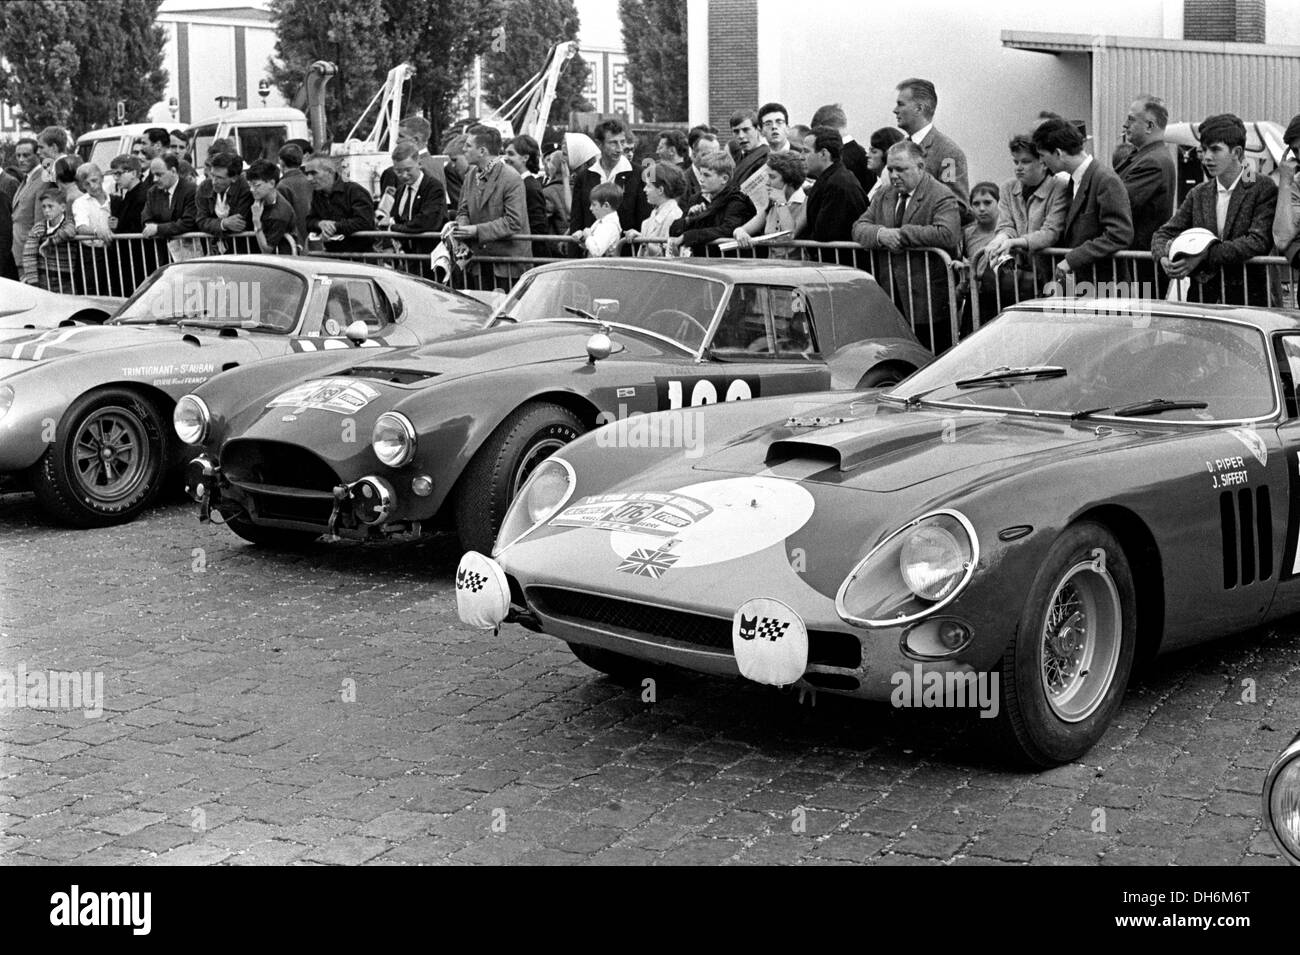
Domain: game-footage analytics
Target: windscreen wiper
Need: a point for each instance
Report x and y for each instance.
(994, 376)
(1139, 409)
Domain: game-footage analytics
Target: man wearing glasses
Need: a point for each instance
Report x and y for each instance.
(774, 120)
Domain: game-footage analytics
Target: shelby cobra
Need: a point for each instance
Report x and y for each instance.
(445, 435)
(1070, 489)
(84, 409)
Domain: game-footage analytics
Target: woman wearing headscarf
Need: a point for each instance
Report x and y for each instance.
(580, 152)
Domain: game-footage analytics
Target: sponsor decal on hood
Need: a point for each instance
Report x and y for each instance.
(340, 395)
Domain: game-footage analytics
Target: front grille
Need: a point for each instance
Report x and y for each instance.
(277, 507)
(825, 647)
(252, 461)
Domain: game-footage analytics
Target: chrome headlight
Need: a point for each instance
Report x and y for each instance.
(191, 419)
(393, 439)
(547, 490)
(6, 399)
(913, 572)
(1282, 801)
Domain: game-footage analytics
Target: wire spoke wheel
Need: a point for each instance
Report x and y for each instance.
(1080, 641)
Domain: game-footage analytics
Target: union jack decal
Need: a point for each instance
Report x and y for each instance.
(648, 563)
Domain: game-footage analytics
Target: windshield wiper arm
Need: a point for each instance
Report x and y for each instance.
(993, 376)
(1139, 409)
(580, 312)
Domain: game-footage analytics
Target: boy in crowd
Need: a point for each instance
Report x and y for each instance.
(724, 207)
(50, 246)
(274, 220)
(601, 238)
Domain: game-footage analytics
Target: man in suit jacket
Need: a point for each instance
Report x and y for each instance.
(1236, 209)
(224, 202)
(26, 200)
(493, 208)
(1099, 222)
(170, 208)
(1147, 171)
(128, 202)
(944, 159)
(420, 203)
(916, 211)
(338, 208)
(838, 200)
(852, 155)
(8, 189)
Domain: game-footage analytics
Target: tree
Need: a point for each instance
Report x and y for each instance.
(529, 28)
(365, 39)
(69, 63)
(654, 36)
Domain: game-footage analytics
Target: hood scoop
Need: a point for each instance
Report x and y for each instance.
(394, 376)
(854, 443)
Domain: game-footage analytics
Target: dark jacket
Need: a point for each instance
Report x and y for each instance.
(1151, 180)
(427, 214)
(729, 210)
(175, 217)
(128, 209)
(239, 197)
(350, 208)
(278, 222)
(1099, 222)
(632, 210)
(945, 161)
(834, 205)
(854, 158)
(8, 189)
(296, 187)
(1247, 232)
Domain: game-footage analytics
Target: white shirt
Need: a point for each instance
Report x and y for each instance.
(657, 225)
(604, 236)
(619, 167)
(408, 200)
(1223, 197)
(1077, 175)
(89, 212)
(919, 136)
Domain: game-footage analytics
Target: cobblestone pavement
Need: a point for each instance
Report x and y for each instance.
(226, 735)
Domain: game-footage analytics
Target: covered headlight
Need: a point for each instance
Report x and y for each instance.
(913, 572)
(1282, 801)
(393, 439)
(190, 419)
(547, 490)
(6, 399)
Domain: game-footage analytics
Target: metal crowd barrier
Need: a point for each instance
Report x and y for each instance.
(940, 296)
(1264, 281)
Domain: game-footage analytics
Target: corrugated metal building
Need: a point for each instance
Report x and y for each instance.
(1195, 79)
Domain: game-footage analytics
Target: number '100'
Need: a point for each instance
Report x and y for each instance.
(706, 393)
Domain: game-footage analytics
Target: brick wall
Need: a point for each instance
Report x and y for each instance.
(733, 59)
(1240, 21)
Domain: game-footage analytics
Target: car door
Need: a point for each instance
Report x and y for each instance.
(1286, 503)
(765, 344)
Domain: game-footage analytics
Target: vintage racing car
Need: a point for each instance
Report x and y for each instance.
(1071, 489)
(29, 306)
(84, 410)
(445, 435)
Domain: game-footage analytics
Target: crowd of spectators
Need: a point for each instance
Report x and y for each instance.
(899, 194)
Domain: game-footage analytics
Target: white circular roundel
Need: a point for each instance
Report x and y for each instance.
(746, 515)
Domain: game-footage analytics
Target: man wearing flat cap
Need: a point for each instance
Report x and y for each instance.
(1237, 207)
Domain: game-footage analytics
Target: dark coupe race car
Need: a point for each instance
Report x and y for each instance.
(84, 409)
(1068, 490)
(446, 435)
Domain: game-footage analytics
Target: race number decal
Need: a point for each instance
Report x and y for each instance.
(705, 390)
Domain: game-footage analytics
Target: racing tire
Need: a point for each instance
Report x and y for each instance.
(270, 537)
(621, 669)
(532, 433)
(884, 375)
(107, 461)
(1064, 674)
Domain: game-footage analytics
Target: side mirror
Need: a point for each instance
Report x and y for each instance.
(605, 307)
(599, 347)
(357, 332)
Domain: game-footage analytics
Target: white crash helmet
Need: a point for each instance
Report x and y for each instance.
(1191, 242)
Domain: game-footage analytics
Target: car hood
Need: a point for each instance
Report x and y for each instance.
(495, 349)
(876, 446)
(36, 345)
